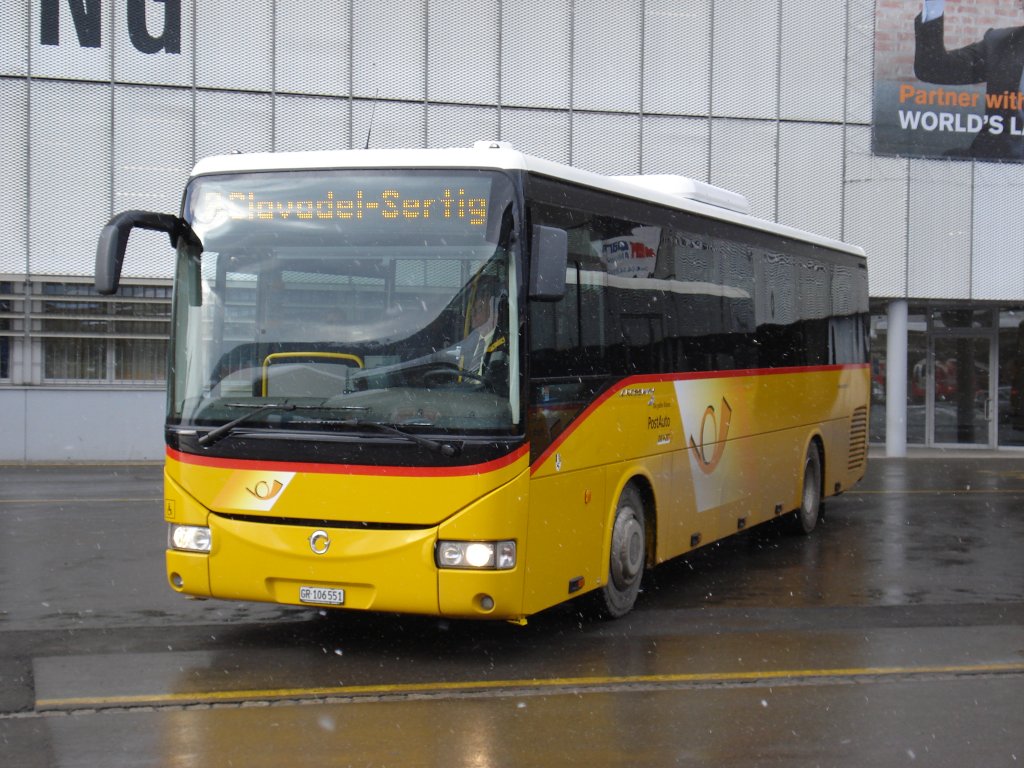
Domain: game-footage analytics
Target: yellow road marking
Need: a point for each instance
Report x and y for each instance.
(399, 689)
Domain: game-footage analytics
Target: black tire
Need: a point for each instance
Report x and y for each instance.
(806, 517)
(627, 558)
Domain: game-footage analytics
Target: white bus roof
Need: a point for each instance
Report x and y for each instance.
(665, 189)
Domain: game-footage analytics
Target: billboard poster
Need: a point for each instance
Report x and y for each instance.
(949, 79)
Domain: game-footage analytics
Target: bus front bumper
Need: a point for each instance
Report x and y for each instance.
(331, 567)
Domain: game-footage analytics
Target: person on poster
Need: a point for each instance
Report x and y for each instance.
(996, 60)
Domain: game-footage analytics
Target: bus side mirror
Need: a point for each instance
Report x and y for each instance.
(114, 240)
(548, 259)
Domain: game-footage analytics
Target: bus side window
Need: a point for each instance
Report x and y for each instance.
(848, 335)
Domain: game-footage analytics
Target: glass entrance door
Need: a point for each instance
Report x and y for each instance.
(961, 390)
(1010, 390)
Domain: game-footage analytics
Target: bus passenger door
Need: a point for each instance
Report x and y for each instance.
(566, 528)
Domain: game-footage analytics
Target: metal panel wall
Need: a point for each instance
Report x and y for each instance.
(389, 124)
(677, 57)
(536, 54)
(313, 48)
(235, 45)
(810, 185)
(606, 62)
(463, 54)
(460, 126)
(743, 159)
(80, 425)
(745, 54)
(716, 89)
(860, 60)
(539, 132)
(229, 121)
(70, 175)
(677, 145)
(875, 212)
(997, 269)
(389, 49)
(939, 232)
(771, 98)
(152, 147)
(606, 143)
(813, 61)
(311, 122)
(14, 26)
(152, 151)
(14, 175)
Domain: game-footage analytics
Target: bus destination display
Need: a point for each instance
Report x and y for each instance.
(395, 203)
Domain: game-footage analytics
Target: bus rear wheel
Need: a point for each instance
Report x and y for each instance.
(628, 556)
(807, 514)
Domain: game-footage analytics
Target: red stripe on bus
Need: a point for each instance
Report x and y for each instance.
(661, 378)
(347, 469)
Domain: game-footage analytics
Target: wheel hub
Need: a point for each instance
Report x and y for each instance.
(627, 561)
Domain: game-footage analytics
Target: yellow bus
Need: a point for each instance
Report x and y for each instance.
(474, 383)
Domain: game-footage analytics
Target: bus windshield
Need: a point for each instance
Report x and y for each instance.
(322, 300)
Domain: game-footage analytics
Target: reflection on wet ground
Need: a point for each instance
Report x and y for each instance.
(895, 632)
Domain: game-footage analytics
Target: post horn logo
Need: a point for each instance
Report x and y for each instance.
(265, 491)
(720, 430)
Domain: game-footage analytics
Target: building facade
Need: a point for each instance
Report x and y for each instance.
(106, 105)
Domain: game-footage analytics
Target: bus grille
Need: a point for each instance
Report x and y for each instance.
(858, 439)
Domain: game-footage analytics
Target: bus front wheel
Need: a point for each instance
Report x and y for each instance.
(807, 514)
(628, 556)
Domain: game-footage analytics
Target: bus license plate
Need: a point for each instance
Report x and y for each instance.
(322, 595)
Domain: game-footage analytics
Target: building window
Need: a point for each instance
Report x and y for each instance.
(66, 333)
(74, 360)
(6, 314)
(91, 338)
(140, 360)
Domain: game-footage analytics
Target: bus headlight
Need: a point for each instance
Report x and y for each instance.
(482, 555)
(190, 538)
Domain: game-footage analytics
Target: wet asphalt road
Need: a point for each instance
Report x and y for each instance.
(893, 636)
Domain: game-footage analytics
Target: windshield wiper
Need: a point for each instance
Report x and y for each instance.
(211, 437)
(223, 430)
(445, 449)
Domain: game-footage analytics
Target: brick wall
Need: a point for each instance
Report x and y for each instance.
(966, 22)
